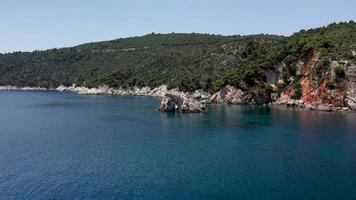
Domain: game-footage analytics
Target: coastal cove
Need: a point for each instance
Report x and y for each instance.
(67, 146)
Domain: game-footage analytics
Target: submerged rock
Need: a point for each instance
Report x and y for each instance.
(180, 102)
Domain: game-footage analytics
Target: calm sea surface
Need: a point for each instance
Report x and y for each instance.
(65, 146)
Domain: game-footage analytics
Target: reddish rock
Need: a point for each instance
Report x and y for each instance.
(306, 64)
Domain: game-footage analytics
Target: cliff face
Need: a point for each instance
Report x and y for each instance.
(320, 85)
(323, 86)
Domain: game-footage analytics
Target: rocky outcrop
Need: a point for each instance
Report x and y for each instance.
(232, 95)
(180, 102)
(322, 89)
(229, 94)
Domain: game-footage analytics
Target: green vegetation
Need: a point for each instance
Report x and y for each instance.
(330, 85)
(297, 91)
(187, 61)
(339, 72)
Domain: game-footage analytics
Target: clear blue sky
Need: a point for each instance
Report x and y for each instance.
(40, 24)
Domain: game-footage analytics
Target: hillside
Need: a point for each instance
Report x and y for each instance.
(261, 64)
(155, 59)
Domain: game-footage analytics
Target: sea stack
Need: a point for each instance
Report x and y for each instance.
(180, 102)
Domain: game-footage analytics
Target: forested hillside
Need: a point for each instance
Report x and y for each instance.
(187, 61)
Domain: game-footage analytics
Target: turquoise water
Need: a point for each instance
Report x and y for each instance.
(66, 146)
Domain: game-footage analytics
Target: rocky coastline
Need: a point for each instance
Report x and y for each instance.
(106, 90)
(15, 88)
(174, 100)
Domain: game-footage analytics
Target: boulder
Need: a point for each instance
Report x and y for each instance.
(180, 102)
(61, 88)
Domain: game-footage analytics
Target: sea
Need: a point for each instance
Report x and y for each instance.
(57, 145)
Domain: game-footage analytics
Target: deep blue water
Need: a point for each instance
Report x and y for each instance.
(66, 146)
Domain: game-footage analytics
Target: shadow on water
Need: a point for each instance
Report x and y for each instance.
(237, 117)
(256, 118)
(220, 118)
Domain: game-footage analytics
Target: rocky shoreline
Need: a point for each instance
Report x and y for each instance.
(182, 101)
(105, 90)
(174, 100)
(15, 88)
(292, 103)
(232, 95)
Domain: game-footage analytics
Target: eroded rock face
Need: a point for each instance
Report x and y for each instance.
(180, 102)
(306, 64)
(315, 92)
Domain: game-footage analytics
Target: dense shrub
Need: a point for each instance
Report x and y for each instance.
(339, 72)
(330, 85)
(297, 91)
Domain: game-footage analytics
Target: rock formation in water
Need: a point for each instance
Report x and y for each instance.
(180, 102)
